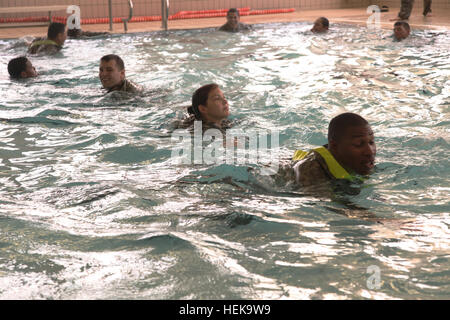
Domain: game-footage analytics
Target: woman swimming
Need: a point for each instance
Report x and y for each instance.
(209, 106)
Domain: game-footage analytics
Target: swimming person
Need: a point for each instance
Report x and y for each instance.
(112, 75)
(56, 36)
(233, 22)
(401, 30)
(80, 34)
(20, 68)
(350, 152)
(321, 25)
(209, 106)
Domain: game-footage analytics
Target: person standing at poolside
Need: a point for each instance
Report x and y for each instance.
(56, 36)
(350, 152)
(112, 75)
(406, 8)
(20, 68)
(320, 25)
(233, 22)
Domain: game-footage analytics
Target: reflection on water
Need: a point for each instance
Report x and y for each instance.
(92, 205)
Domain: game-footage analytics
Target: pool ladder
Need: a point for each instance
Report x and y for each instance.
(124, 20)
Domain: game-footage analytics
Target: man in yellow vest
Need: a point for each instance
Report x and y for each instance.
(56, 36)
(349, 154)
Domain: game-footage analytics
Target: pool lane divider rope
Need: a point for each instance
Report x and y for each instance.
(179, 15)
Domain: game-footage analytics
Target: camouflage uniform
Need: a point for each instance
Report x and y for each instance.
(188, 123)
(426, 7)
(312, 170)
(407, 5)
(43, 45)
(240, 27)
(313, 175)
(126, 86)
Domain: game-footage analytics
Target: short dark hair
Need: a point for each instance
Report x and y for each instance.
(200, 97)
(233, 10)
(116, 58)
(54, 29)
(325, 22)
(16, 66)
(402, 24)
(339, 124)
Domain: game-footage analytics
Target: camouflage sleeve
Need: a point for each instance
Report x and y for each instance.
(309, 172)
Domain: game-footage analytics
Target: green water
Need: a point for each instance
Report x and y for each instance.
(93, 206)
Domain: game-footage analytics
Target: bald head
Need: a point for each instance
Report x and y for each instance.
(339, 124)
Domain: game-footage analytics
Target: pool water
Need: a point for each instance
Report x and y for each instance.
(93, 206)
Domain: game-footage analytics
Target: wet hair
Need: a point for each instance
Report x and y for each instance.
(16, 66)
(200, 97)
(324, 22)
(54, 29)
(116, 58)
(403, 24)
(233, 10)
(74, 33)
(339, 124)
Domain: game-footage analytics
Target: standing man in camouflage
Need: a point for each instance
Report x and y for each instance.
(406, 8)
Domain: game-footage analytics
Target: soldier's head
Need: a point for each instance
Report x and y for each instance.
(351, 142)
(320, 25)
(233, 17)
(21, 67)
(401, 30)
(111, 71)
(209, 104)
(57, 32)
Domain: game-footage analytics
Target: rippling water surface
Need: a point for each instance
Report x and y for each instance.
(92, 206)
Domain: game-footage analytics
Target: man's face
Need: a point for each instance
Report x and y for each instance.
(216, 108)
(29, 72)
(109, 74)
(400, 32)
(61, 37)
(356, 149)
(233, 19)
(318, 26)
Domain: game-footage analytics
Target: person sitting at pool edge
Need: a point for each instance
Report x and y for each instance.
(80, 34)
(20, 68)
(209, 106)
(112, 75)
(56, 36)
(320, 25)
(350, 150)
(233, 24)
(401, 30)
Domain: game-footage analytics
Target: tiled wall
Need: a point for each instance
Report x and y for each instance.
(99, 8)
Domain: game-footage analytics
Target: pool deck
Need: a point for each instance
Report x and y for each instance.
(440, 20)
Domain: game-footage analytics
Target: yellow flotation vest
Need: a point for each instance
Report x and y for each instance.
(44, 42)
(333, 166)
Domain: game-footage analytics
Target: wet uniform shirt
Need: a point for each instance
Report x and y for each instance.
(188, 123)
(240, 27)
(312, 170)
(43, 45)
(126, 86)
